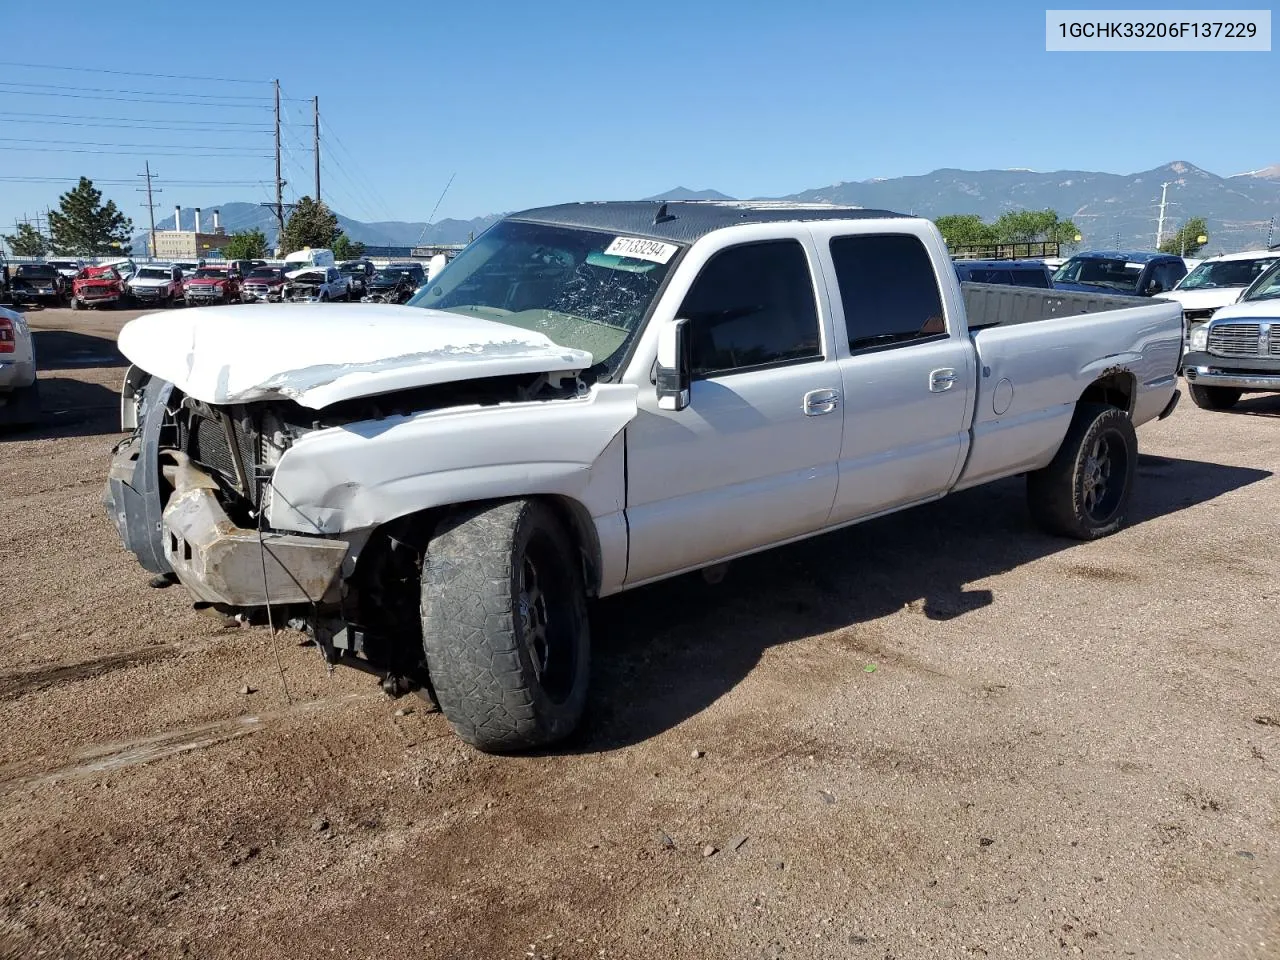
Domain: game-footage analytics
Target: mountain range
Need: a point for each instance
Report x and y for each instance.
(1111, 210)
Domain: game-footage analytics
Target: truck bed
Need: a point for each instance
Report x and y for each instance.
(1030, 375)
(1001, 305)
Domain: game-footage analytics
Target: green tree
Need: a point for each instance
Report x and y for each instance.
(1035, 226)
(311, 224)
(27, 242)
(1185, 241)
(344, 248)
(246, 245)
(84, 226)
(965, 230)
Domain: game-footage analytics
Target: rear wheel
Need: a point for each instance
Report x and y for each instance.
(1084, 491)
(504, 626)
(1214, 398)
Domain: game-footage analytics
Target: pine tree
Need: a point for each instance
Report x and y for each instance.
(311, 224)
(84, 226)
(246, 245)
(27, 242)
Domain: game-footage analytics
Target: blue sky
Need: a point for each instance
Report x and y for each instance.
(532, 103)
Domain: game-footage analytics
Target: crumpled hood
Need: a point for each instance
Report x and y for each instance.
(319, 355)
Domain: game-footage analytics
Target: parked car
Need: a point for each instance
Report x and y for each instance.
(68, 268)
(37, 283)
(391, 286)
(309, 257)
(1238, 350)
(19, 389)
(1125, 273)
(242, 268)
(592, 397)
(359, 272)
(395, 283)
(1219, 281)
(263, 285)
(320, 285)
(123, 266)
(1017, 273)
(211, 285)
(157, 283)
(97, 287)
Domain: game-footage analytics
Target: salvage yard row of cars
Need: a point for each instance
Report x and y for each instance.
(310, 276)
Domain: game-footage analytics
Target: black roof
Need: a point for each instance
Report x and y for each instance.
(683, 221)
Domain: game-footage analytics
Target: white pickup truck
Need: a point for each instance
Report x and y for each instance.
(593, 397)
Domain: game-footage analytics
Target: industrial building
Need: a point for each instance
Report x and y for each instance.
(179, 244)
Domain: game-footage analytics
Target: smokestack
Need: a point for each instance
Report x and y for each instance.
(197, 219)
(217, 226)
(177, 217)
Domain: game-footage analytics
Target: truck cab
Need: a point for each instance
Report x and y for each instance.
(1238, 350)
(1128, 273)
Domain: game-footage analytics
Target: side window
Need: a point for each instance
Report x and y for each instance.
(888, 288)
(1034, 278)
(752, 306)
(1170, 274)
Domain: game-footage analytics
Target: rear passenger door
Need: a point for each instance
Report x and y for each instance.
(907, 371)
(752, 460)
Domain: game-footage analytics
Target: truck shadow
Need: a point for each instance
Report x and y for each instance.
(69, 408)
(71, 350)
(1258, 405)
(664, 653)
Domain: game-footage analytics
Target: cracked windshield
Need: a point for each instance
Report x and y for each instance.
(565, 283)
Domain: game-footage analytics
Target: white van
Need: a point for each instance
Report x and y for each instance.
(307, 258)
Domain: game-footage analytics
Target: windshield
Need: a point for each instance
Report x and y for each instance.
(391, 276)
(1267, 286)
(1225, 273)
(1116, 274)
(209, 273)
(266, 273)
(153, 273)
(352, 268)
(559, 281)
(36, 270)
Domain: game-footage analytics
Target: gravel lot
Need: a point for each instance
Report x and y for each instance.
(938, 734)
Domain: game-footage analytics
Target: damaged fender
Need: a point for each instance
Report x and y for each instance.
(342, 479)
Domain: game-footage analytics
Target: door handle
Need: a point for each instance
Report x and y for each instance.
(942, 380)
(818, 402)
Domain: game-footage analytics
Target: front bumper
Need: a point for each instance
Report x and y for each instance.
(93, 299)
(1235, 373)
(205, 296)
(260, 296)
(219, 562)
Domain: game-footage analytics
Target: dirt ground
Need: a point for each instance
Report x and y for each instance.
(940, 734)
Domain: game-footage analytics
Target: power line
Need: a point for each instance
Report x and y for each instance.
(112, 182)
(167, 102)
(129, 73)
(147, 93)
(43, 117)
(96, 143)
(135, 153)
(382, 202)
(144, 126)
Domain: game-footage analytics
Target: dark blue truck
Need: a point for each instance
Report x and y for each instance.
(1121, 272)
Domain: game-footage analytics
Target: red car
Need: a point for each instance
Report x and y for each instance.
(96, 287)
(212, 285)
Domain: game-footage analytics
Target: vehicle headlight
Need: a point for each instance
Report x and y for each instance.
(1200, 337)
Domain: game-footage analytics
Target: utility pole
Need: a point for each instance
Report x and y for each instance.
(316, 114)
(151, 206)
(1271, 226)
(279, 181)
(1164, 191)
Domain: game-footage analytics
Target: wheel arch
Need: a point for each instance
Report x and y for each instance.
(1115, 387)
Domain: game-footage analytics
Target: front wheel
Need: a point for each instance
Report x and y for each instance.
(75, 303)
(1084, 491)
(504, 625)
(1214, 398)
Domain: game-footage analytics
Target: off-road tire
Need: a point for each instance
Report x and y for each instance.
(1063, 497)
(1214, 398)
(74, 303)
(480, 630)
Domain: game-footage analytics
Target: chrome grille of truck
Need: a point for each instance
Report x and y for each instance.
(1234, 339)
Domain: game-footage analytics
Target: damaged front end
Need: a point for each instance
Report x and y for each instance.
(185, 492)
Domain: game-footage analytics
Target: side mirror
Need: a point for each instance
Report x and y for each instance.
(673, 366)
(1154, 287)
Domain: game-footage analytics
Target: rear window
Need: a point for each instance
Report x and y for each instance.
(888, 289)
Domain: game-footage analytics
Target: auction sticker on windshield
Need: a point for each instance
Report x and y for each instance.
(642, 249)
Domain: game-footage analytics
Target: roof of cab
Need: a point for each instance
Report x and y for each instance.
(686, 220)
